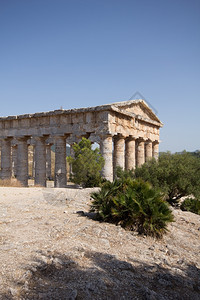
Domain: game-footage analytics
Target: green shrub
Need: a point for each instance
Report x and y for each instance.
(133, 204)
(192, 205)
(86, 164)
(177, 175)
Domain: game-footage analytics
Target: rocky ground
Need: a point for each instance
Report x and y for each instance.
(51, 248)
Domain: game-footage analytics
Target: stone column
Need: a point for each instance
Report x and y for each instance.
(70, 165)
(118, 156)
(140, 152)
(6, 164)
(40, 161)
(48, 161)
(130, 154)
(60, 162)
(22, 161)
(106, 152)
(33, 163)
(0, 158)
(14, 160)
(156, 149)
(148, 150)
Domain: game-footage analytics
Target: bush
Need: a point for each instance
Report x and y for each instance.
(133, 204)
(86, 164)
(177, 175)
(192, 205)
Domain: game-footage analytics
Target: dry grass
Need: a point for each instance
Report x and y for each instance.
(12, 182)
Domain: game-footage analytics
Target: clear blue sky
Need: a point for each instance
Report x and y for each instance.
(79, 53)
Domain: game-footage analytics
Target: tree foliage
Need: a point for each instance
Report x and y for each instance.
(133, 204)
(86, 164)
(192, 205)
(176, 174)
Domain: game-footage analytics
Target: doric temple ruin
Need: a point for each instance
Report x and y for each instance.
(127, 133)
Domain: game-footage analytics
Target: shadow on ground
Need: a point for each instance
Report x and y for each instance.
(57, 276)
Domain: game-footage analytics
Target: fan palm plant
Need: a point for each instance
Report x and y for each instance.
(133, 204)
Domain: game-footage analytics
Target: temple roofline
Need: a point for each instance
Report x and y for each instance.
(112, 106)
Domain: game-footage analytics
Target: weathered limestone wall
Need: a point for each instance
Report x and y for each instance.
(127, 133)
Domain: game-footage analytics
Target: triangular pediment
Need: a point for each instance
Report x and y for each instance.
(138, 108)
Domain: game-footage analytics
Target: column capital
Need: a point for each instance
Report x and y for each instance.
(6, 138)
(130, 138)
(155, 142)
(41, 137)
(119, 137)
(105, 135)
(148, 141)
(22, 138)
(57, 137)
(140, 140)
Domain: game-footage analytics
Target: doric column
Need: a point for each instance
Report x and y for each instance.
(40, 161)
(156, 149)
(60, 162)
(33, 162)
(119, 150)
(148, 150)
(0, 158)
(6, 164)
(48, 161)
(14, 160)
(22, 161)
(140, 152)
(130, 154)
(106, 152)
(72, 155)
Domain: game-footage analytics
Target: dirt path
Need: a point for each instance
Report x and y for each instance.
(49, 251)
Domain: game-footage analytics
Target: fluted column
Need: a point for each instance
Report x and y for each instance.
(48, 161)
(14, 160)
(106, 152)
(60, 162)
(40, 161)
(22, 161)
(6, 164)
(148, 150)
(30, 159)
(33, 162)
(140, 152)
(156, 149)
(130, 154)
(0, 158)
(119, 152)
(72, 155)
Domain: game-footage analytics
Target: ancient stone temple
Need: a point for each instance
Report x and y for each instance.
(127, 133)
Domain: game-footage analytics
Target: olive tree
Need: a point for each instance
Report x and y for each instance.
(177, 175)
